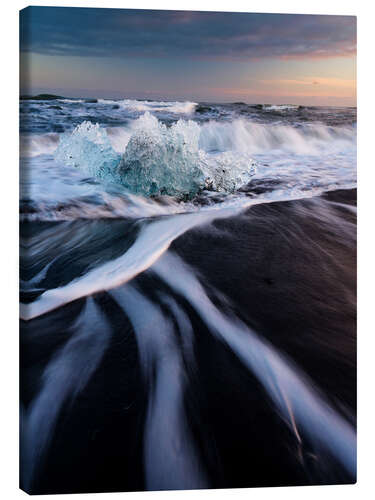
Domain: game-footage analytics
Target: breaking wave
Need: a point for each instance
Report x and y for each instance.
(240, 135)
(254, 138)
(280, 107)
(72, 101)
(147, 157)
(153, 106)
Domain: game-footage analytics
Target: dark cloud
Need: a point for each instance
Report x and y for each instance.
(116, 33)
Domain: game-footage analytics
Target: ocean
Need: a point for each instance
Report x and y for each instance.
(188, 295)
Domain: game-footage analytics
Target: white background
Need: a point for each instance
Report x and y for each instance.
(364, 9)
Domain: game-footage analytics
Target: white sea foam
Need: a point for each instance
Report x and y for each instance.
(178, 107)
(72, 101)
(246, 136)
(279, 107)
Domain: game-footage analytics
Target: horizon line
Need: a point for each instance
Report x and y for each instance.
(183, 99)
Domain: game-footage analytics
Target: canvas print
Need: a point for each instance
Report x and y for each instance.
(187, 250)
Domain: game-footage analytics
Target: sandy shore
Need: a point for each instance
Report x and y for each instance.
(289, 272)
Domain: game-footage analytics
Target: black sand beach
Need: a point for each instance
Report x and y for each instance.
(287, 270)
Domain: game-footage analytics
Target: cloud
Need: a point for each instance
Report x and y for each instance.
(118, 33)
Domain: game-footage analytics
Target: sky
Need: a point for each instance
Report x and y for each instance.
(184, 55)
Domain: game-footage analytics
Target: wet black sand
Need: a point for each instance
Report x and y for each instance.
(289, 270)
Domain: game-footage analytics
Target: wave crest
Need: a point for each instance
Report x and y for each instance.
(256, 138)
(133, 105)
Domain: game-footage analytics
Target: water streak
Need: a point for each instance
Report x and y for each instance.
(171, 460)
(65, 376)
(153, 240)
(292, 393)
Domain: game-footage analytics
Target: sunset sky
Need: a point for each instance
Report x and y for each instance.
(202, 56)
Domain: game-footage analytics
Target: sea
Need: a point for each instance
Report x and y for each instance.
(187, 294)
